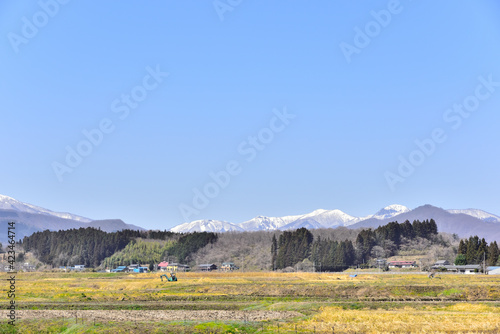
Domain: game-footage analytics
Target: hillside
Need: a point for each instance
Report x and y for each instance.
(461, 224)
(31, 218)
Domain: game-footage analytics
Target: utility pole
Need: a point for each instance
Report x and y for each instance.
(484, 263)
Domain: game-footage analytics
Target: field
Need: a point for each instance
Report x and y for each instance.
(253, 303)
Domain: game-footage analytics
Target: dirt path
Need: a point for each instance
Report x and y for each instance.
(171, 315)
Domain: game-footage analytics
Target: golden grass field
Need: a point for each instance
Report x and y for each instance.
(241, 302)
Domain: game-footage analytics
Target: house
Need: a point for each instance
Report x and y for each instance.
(440, 264)
(402, 264)
(139, 270)
(132, 267)
(79, 267)
(466, 269)
(163, 266)
(207, 267)
(177, 267)
(228, 266)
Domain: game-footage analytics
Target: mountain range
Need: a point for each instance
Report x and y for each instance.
(464, 223)
(30, 218)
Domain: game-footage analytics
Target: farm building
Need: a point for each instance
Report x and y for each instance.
(493, 270)
(163, 266)
(228, 266)
(440, 264)
(402, 264)
(120, 269)
(132, 267)
(207, 267)
(466, 269)
(177, 267)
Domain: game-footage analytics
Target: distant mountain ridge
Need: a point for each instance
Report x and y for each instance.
(462, 222)
(30, 218)
(317, 219)
(9, 203)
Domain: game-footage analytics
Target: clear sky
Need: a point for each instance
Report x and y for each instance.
(172, 91)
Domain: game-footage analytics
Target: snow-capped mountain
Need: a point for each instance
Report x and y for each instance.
(317, 219)
(30, 218)
(262, 223)
(464, 225)
(206, 226)
(8, 203)
(480, 214)
(326, 218)
(390, 211)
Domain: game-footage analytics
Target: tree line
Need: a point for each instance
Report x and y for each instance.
(475, 251)
(292, 247)
(90, 246)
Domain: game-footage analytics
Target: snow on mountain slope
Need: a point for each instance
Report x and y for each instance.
(390, 211)
(333, 218)
(317, 219)
(206, 226)
(8, 203)
(308, 223)
(262, 223)
(480, 214)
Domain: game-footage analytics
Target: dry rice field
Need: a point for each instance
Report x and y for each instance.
(261, 302)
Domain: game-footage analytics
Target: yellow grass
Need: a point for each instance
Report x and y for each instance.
(459, 318)
(369, 303)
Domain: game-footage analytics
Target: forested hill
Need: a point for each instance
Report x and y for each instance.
(293, 247)
(89, 246)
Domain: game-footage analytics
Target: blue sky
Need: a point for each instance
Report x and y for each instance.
(357, 115)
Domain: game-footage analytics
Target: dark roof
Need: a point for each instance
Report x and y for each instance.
(467, 266)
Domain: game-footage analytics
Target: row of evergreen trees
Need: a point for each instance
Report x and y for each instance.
(86, 246)
(293, 247)
(475, 251)
(90, 246)
(389, 237)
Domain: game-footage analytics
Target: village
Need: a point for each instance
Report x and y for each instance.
(382, 265)
(163, 266)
